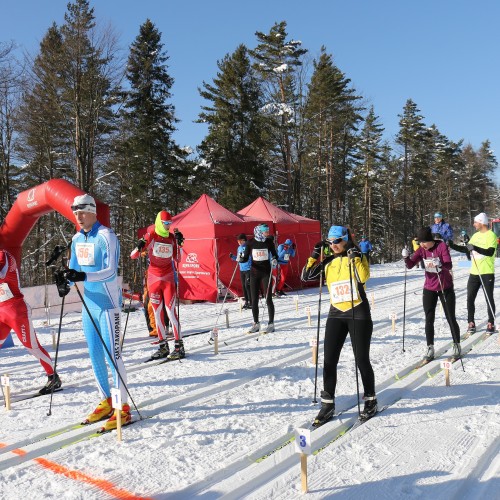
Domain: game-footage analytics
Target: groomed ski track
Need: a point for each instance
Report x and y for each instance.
(248, 472)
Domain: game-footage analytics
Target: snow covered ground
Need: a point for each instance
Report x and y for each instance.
(220, 425)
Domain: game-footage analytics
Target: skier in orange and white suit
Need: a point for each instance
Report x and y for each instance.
(163, 248)
(15, 314)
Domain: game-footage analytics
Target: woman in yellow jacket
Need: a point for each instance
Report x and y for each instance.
(344, 256)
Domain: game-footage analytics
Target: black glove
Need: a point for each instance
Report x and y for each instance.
(293, 246)
(353, 252)
(231, 255)
(317, 248)
(470, 247)
(74, 276)
(141, 244)
(62, 284)
(179, 237)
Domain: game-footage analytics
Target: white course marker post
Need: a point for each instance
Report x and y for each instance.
(308, 312)
(116, 397)
(53, 333)
(303, 446)
(314, 344)
(297, 303)
(446, 366)
(215, 336)
(226, 312)
(5, 381)
(240, 301)
(393, 316)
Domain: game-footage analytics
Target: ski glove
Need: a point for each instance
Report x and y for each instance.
(75, 276)
(405, 253)
(352, 253)
(141, 244)
(179, 237)
(62, 284)
(293, 246)
(274, 263)
(317, 249)
(470, 247)
(310, 262)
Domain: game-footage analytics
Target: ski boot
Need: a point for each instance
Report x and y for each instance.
(125, 416)
(103, 410)
(255, 328)
(53, 383)
(162, 352)
(269, 328)
(490, 329)
(457, 352)
(178, 352)
(370, 408)
(429, 355)
(327, 409)
(471, 330)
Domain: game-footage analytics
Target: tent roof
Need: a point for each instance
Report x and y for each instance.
(263, 209)
(206, 218)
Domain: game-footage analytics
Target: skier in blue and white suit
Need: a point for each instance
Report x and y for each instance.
(95, 251)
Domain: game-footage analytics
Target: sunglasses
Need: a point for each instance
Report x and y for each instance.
(335, 241)
(167, 222)
(75, 208)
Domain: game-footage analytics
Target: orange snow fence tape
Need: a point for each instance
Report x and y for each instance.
(103, 485)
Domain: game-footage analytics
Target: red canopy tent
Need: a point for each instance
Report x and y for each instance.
(302, 231)
(210, 233)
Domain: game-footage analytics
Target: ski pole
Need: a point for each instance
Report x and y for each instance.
(448, 317)
(317, 329)
(404, 306)
(484, 289)
(354, 335)
(49, 413)
(224, 300)
(113, 362)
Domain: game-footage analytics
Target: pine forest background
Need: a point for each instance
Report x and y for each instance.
(281, 124)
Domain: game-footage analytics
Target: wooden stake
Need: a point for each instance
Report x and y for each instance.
(297, 303)
(303, 472)
(53, 332)
(6, 385)
(308, 312)
(226, 311)
(447, 376)
(118, 424)
(215, 336)
(314, 346)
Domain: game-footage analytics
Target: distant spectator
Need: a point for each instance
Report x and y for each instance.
(441, 227)
(285, 252)
(366, 247)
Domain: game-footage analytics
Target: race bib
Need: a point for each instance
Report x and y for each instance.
(340, 291)
(260, 254)
(85, 254)
(5, 293)
(286, 257)
(163, 250)
(432, 265)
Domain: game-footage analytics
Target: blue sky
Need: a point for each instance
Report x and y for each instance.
(443, 54)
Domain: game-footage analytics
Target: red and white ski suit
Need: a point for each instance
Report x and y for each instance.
(15, 313)
(162, 252)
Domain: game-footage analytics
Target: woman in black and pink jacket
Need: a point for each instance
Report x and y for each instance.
(438, 284)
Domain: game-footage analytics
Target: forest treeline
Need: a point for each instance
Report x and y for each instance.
(280, 124)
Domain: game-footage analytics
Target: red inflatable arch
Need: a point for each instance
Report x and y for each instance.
(54, 195)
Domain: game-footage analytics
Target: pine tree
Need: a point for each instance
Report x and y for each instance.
(234, 150)
(277, 61)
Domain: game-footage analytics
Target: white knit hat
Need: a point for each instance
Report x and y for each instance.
(84, 203)
(482, 218)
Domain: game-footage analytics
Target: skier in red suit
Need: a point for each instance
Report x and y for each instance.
(163, 248)
(15, 314)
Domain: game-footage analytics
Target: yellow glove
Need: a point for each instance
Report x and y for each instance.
(310, 262)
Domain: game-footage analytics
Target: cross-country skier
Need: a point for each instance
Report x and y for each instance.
(244, 269)
(438, 284)
(285, 252)
(163, 248)
(366, 247)
(343, 319)
(264, 257)
(95, 253)
(482, 248)
(15, 314)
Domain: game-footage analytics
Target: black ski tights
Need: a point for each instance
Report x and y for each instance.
(335, 334)
(429, 299)
(259, 279)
